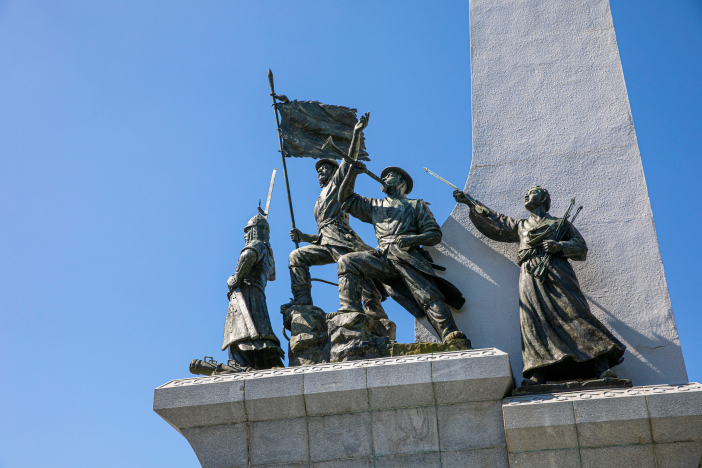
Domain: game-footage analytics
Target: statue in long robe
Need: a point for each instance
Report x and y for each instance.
(561, 338)
(247, 329)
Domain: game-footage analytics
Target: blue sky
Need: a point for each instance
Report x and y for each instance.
(137, 137)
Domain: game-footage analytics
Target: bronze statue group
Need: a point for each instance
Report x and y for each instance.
(561, 338)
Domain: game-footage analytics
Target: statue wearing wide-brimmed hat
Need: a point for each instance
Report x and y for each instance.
(402, 227)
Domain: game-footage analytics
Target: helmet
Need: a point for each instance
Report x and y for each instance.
(257, 221)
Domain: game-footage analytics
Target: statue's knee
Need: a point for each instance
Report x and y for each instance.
(295, 259)
(345, 265)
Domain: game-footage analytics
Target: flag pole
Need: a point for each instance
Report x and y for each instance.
(282, 154)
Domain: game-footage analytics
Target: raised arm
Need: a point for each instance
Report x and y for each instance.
(357, 135)
(349, 183)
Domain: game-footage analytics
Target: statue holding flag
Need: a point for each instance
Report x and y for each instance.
(335, 238)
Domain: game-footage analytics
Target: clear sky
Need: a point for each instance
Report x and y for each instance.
(136, 139)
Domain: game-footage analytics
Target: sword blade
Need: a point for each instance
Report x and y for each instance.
(442, 179)
(270, 193)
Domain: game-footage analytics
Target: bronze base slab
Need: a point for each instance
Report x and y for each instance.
(575, 386)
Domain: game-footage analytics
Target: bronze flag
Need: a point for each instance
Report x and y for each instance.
(307, 124)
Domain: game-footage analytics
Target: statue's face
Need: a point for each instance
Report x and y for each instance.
(325, 173)
(392, 179)
(533, 199)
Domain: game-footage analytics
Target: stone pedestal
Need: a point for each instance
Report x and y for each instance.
(426, 410)
(641, 427)
(355, 336)
(437, 410)
(309, 342)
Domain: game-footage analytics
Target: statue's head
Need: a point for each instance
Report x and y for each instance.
(396, 181)
(536, 196)
(257, 229)
(325, 170)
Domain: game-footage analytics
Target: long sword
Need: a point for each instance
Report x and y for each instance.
(477, 205)
(270, 194)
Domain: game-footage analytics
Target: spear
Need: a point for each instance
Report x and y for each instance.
(282, 154)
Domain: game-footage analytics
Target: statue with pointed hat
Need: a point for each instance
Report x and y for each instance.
(248, 333)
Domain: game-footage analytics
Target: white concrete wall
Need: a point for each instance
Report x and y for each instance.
(550, 107)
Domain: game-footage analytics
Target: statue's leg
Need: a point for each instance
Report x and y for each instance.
(431, 299)
(353, 268)
(240, 357)
(299, 262)
(372, 300)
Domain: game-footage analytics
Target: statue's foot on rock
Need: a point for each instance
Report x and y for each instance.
(608, 374)
(455, 336)
(302, 296)
(530, 382)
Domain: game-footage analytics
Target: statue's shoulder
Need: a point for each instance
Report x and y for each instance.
(257, 246)
(417, 203)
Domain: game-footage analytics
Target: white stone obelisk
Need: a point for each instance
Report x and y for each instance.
(550, 107)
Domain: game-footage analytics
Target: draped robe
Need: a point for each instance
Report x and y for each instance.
(560, 335)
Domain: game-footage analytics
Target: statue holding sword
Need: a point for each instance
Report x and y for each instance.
(562, 339)
(248, 333)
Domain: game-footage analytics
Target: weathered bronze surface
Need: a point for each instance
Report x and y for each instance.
(561, 338)
(335, 237)
(402, 226)
(247, 329)
(573, 386)
(309, 342)
(305, 125)
(209, 366)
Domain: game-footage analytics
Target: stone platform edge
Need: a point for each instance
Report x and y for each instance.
(365, 385)
(652, 426)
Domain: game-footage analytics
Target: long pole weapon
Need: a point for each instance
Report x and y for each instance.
(329, 144)
(282, 154)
